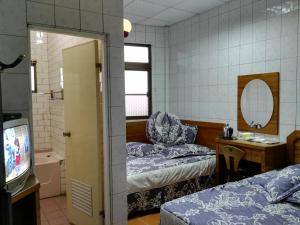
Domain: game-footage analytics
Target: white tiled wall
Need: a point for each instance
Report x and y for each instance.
(16, 93)
(298, 101)
(63, 177)
(40, 102)
(208, 51)
(157, 37)
(101, 16)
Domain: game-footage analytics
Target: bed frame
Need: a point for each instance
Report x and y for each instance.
(293, 153)
(293, 147)
(206, 136)
(207, 132)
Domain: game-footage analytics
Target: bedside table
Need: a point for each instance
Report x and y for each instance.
(269, 156)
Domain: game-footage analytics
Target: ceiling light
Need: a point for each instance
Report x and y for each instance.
(126, 27)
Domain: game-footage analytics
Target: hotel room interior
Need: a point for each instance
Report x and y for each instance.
(150, 112)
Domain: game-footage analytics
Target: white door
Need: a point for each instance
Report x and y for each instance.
(84, 134)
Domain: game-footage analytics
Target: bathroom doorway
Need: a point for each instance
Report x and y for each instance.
(68, 126)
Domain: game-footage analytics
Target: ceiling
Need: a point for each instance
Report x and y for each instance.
(165, 12)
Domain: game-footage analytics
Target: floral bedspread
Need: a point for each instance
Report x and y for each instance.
(246, 202)
(165, 159)
(154, 198)
(147, 170)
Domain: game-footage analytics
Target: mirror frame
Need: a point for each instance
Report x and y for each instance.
(272, 80)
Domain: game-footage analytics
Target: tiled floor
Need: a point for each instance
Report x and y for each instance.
(145, 219)
(53, 211)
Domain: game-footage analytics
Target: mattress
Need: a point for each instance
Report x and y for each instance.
(244, 202)
(167, 218)
(156, 170)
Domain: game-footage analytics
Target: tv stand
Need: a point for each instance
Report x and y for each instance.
(26, 204)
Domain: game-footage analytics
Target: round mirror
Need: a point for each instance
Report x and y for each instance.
(257, 103)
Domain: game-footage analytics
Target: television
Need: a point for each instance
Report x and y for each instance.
(17, 154)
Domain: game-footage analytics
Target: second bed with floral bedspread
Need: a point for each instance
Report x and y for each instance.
(272, 198)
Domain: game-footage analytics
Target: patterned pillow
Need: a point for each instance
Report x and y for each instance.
(294, 198)
(139, 149)
(263, 179)
(284, 184)
(164, 129)
(189, 133)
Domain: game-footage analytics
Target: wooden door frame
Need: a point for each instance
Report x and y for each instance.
(107, 156)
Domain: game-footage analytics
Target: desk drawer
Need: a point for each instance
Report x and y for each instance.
(253, 155)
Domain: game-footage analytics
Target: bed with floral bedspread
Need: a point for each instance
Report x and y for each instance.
(156, 178)
(171, 167)
(272, 198)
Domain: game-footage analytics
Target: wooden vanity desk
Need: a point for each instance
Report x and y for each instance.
(269, 156)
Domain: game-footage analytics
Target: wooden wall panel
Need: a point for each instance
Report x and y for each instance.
(207, 132)
(136, 131)
(293, 147)
(297, 152)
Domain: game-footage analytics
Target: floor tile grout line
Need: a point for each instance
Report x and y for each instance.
(57, 203)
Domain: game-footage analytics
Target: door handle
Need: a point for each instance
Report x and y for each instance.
(67, 134)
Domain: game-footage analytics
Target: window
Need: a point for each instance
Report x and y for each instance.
(137, 81)
(33, 77)
(61, 73)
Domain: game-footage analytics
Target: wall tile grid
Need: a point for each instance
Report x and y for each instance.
(157, 37)
(14, 41)
(62, 177)
(40, 103)
(209, 51)
(88, 16)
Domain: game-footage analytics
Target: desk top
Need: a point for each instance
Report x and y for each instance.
(32, 185)
(254, 145)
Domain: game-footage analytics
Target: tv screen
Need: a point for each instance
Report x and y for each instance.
(16, 151)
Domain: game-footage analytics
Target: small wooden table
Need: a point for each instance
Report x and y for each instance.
(26, 204)
(269, 156)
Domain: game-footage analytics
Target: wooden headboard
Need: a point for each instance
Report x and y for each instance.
(293, 147)
(136, 131)
(207, 132)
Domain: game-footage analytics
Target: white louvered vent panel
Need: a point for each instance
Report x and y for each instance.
(82, 197)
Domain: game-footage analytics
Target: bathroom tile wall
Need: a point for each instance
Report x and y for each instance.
(40, 102)
(209, 51)
(63, 177)
(157, 37)
(101, 16)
